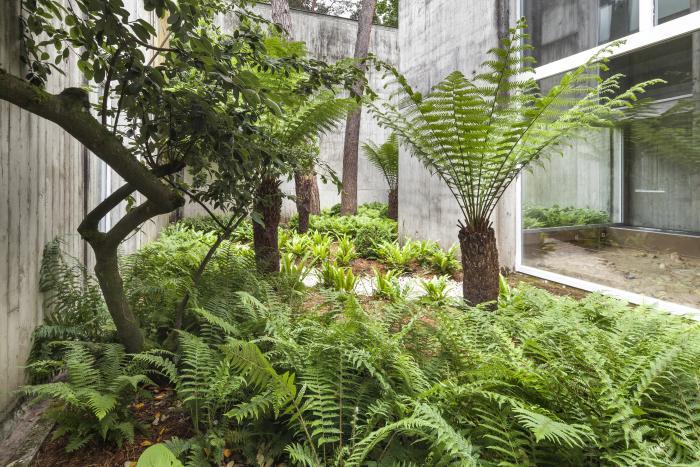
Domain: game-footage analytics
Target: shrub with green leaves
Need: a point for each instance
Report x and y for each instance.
(554, 216)
(93, 401)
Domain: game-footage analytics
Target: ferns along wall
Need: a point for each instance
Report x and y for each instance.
(48, 182)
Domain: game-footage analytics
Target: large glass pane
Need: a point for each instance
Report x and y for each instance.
(559, 28)
(666, 10)
(622, 206)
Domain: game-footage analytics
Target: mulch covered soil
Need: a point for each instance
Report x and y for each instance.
(162, 417)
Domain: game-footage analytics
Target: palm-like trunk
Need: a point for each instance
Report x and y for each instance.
(307, 200)
(393, 212)
(268, 204)
(479, 265)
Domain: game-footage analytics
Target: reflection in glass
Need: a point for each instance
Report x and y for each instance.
(560, 28)
(666, 10)
(618, 18)
(622, 206)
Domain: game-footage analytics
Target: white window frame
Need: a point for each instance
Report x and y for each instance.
(649, 34)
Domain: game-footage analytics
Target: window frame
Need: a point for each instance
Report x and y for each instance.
(650, 33)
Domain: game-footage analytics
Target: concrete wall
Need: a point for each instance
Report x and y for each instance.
(331, 38)
(437, 37)
(47, 181)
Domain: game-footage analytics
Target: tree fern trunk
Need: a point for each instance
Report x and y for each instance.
(393, 204)
(479, 264)
(268, 204)
(307, 198)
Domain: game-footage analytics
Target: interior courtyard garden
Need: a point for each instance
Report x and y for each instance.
(349, 233)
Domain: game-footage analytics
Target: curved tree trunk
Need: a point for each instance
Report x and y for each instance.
(393, 204)
(107, 273)
(480, 265)
(307, 198)
(268, 204)
(348, 197)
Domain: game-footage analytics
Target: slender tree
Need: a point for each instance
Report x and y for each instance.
(386, 159)
(348, 199)
(478, 134)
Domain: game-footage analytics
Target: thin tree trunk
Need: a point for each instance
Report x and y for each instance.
(307, 200)
(479, 265)
(348, 198)
(268, 204)
(281, 16)
(394, 204)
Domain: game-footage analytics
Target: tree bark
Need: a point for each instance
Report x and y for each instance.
(306, 199)
(479, 265)
(282, 16)
(268, 204)
(393, 212)
(108, 277)
(348, 198)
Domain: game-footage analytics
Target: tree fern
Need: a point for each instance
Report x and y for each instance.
(478, 134)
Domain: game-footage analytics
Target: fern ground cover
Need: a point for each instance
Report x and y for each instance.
(275, 373)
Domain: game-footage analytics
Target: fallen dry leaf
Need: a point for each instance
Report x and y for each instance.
(146, 442)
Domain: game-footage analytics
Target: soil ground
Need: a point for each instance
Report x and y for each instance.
(663, 275)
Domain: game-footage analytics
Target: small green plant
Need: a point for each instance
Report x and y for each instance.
(539, 217)
(320, 247)
(94, 400)
(437, 291)
(443, 262)
(295, 244)
(345, 252)
(395, 256)
(293, 272)
(337, 278)
(388, 287)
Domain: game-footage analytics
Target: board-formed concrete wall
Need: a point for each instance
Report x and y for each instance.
(330, 38)
(437, 37)
(47, 183)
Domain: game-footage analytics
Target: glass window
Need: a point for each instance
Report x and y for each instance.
(666, 10)
(670, 61)
(559, 28)
(618, 18)
(621, 208)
